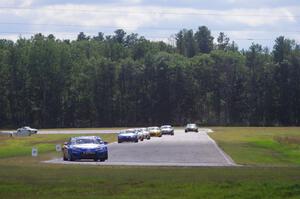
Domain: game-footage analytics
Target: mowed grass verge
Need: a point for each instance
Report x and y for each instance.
(68, 181)
(271, 146)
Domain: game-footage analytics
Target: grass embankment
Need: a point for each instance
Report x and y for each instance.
(260, 146)
(23, 176)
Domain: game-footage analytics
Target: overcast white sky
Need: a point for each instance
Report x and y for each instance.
(244, 21)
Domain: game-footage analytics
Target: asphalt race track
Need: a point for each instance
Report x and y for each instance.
(75, 131)
(70, 131)
(182, 149)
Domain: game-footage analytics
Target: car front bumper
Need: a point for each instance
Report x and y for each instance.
(191, 129)
(127, 139)
(102, 155)
(170, 132)
(155, 134)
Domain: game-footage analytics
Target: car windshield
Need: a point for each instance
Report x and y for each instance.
(126, 132)
(153, 128)
(191, 125)
(165, 126)
(87, 141)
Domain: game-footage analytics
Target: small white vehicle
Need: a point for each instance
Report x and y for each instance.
(25, 131)
(140, 134)
(146, 133)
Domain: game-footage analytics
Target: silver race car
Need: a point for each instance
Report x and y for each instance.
(145, 132)
(23, 131)
(129, 135)
(167, 130)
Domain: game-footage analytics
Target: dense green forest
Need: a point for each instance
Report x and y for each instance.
(126, 80)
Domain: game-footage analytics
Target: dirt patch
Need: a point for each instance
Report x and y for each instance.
(287, 139)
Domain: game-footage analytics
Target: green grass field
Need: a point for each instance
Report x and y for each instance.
(266, 176)
(260, 146)
(21, 146)
(66, 181)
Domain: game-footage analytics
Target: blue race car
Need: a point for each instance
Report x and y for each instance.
(85, 147)
(129, 135)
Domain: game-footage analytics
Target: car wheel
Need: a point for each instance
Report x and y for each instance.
(119, 141)
(70, 158)
(102, 160)
(136, 141)
(96, 159)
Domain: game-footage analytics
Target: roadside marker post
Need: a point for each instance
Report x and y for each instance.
(34, 152)
(58, 147)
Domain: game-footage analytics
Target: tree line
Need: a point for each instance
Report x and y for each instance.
(126, 80)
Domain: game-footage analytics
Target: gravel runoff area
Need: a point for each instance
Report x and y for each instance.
(182, 149)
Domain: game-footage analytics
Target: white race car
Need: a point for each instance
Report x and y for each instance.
(145, 132)
(24, 131)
